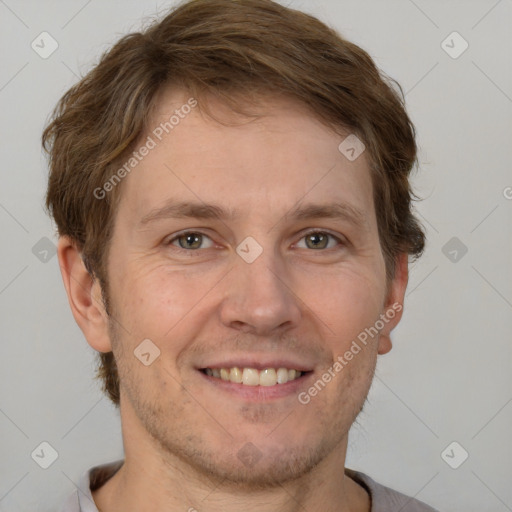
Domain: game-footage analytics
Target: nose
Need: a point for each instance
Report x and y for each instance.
(259, 299)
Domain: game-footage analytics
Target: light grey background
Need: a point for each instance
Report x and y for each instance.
(448, 377)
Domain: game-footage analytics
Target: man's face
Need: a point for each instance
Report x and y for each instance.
(210, 300)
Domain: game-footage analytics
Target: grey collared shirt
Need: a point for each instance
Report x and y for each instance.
(383, 498)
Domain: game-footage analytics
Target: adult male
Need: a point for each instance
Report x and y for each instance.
(232, 197)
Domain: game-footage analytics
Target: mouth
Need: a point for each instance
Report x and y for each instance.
(253, 385)
(256, 378)
(247, 376)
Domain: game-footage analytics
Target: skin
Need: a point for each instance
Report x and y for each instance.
(181, 432)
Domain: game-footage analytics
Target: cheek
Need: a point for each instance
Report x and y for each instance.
(349, 304)
(163, 304)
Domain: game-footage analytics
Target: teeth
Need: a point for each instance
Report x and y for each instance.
(235, 375)
(268, 377)
(253, 377)
(282, 376)
(250, 377)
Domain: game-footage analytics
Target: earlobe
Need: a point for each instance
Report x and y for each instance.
(84, 296)
(394, 303)
(385, 344)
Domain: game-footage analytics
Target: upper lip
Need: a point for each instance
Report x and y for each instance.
(258, 362)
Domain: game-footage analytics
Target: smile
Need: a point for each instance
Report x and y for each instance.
(254, 377)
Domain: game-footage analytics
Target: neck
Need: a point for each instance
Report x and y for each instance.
(137, 487)
(152, 479)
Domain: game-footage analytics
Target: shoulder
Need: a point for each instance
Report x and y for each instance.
(385, 499)
(81, 499)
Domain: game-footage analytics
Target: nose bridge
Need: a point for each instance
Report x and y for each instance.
(258, 297)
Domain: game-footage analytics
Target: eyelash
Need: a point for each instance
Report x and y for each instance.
(192, 232)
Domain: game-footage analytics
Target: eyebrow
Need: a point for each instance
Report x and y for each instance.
(196, 210)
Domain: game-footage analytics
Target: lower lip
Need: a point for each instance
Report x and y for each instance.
(260, 393)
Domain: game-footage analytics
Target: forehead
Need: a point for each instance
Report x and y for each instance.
(256, 165)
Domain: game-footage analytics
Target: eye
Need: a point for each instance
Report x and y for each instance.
(194, 240)
(319, 240)
(189, 240)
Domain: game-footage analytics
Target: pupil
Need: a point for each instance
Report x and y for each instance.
(190, 239)
(314, 238)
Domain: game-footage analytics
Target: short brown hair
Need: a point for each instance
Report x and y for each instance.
(234, 50)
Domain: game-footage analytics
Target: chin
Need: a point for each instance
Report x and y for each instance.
(252, 468)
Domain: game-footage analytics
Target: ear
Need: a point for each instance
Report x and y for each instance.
(84, 296)
(394, 304)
